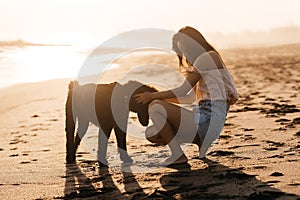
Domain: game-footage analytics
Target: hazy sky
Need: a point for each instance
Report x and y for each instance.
(64, 20)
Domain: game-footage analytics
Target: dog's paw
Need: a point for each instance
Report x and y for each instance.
(103, 162)
(124, 156)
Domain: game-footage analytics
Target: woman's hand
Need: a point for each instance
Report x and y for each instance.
(145, 97)
(232, 99)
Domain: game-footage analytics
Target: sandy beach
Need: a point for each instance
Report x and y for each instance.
(256, 157)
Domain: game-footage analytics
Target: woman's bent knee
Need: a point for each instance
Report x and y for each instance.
(156, 107)
(154, 102)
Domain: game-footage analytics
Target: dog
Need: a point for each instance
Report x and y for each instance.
(107, 106)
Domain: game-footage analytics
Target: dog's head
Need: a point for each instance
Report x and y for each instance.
(134, 87)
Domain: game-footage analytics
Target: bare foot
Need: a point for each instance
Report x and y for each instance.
(174, 160)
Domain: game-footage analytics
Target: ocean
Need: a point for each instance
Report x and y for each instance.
(39, 63)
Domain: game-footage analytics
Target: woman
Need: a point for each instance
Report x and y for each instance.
(208, 82)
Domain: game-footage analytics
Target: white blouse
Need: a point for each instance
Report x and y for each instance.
(216, 84)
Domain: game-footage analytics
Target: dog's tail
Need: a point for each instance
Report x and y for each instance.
(70, 123)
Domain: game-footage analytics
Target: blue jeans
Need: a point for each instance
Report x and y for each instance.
(209, 118)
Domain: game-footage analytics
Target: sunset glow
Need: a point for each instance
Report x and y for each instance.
(84, 25)
(67, 21)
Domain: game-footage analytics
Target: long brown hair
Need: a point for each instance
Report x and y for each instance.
(190, 34)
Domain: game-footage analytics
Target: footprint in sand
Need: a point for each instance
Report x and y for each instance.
(25, 162)
(276, 144)
(280, 129)
(281, 109)
(259, 167)
(276, 174)
(39, 129)
(255, 93)
(239, 134)
(269, 99)
(53, 120)
(296, 120)
(294, 184)
(235, 147)
(248, 129)
(294, 123)
(152, 145)
(292, 150)
(35, 116)
(285, 101)
(81, 153)
(221, 153)
(275, 181)
(247, 145)
(225, 137)
(14, 155)
(1, 149)
(163, 151)
(228, 124)
(231, 117)
(16, 141)
(282, 120)
(271, 148)
(13, 142)
(249, 137)
(15, 184)
(247, 108)
(276, 156)
(291, 154)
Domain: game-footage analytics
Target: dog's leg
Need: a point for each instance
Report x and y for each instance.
(122, 147)
(102, 146)
(70, 147)
(82, 128)
(76, 142)
(70, 125)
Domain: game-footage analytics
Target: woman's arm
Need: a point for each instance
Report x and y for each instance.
(187, 99)
(186, 86)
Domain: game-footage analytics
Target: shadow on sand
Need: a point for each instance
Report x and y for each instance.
(102, 186)
(216, 182)
(213, 182)
(77, 184)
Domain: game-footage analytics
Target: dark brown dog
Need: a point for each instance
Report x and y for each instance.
(107, 106)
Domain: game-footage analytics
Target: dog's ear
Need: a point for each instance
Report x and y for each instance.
(144, 118)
